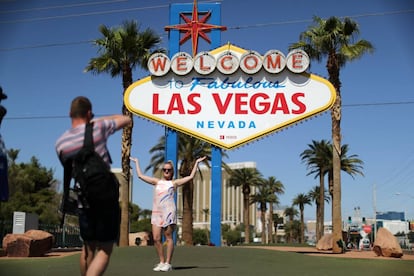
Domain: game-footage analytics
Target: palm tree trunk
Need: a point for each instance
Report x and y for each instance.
(291, 229)
(302, 226)
(246, 215)
(318, 210)
(331, 189)
(263, 219)
(124, 185)
(320, 220)
(336, 199)
(270, 228)
(333, 70)
(126, 169)
(187, 225)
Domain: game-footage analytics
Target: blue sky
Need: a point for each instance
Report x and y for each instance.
(44, 48)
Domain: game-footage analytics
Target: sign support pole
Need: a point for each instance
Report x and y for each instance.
(216, 154)
(171, 135)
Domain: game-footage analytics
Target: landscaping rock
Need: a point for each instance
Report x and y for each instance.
(325, 243)
(386, 244)
(33, 243)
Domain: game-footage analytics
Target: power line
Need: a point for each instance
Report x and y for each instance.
(259, 25)
(386, 103)
(88, 14)
(63, 6)
(80, 14)
(47, 45)
(99, 115)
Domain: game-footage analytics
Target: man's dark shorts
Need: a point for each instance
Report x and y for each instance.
(100, 224)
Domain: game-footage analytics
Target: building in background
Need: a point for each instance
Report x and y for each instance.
(356, 226)
(391, 215)
(278, 227)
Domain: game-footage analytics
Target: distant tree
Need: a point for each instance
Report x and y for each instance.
(146, 213)
(301, 200)
(262, 197)
(245, 178)
(277, 188)
(292, 230)
(134, 212)
(291, 213)
(140, 221)
(314, 196)
(267, 194)
(318, 158)
(142, 225)
(33, 189)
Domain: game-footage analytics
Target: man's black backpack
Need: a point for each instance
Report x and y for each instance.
(98, 186)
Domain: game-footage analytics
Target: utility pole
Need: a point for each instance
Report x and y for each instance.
(374, 200)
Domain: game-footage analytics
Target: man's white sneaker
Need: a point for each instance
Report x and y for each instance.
(166, 267)
(158, 267)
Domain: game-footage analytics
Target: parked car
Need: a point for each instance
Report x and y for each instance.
(364, 244)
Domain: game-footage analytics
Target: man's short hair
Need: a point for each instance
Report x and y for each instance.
(80, 107)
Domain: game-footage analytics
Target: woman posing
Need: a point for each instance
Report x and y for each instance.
(164, 210)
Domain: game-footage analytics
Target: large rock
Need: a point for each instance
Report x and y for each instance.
(325, 243)
(386, 244)
(33, 243)
(140, 239)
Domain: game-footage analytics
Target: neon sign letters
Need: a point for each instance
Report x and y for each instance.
(227, 63)
(229, 96)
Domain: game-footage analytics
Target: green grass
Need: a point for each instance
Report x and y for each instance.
(213, 261)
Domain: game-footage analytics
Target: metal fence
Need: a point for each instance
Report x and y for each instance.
(64, 237)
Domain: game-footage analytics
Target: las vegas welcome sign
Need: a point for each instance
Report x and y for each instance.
(229, 96)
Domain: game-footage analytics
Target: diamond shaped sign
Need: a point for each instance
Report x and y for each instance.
(228, 110)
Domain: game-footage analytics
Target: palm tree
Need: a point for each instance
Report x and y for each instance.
(189, 149)
(245, 178)
(263, 196)
(291, 213)
(314, 196)
(122, 50)
(301, 200)
(318, 158)
(292, 231)
(334, 39)
(276, 188)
